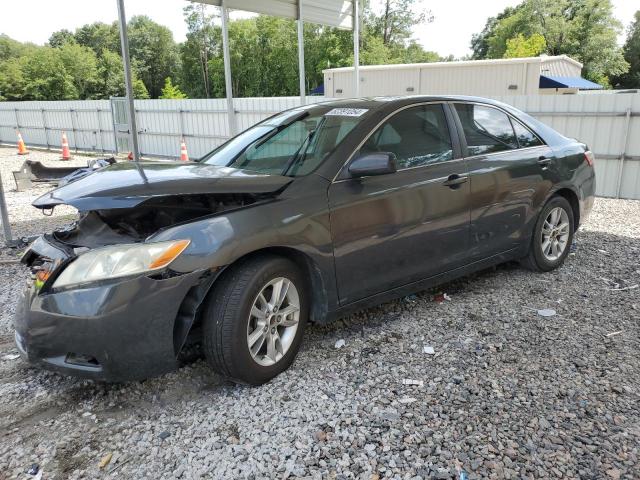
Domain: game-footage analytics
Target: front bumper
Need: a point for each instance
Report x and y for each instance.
(114, 331)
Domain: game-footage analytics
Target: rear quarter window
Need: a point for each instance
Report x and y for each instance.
(526, 138)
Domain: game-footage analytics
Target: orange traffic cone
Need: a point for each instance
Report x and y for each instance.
(22, 148)
(184, 156)
(66, 154)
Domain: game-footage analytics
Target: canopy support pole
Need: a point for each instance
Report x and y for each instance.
(4, 215)
(356, 46)
(224, 15)
(124, 42)
(301, 73)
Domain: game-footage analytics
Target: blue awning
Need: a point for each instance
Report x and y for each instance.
(568, 82)
(319, 90)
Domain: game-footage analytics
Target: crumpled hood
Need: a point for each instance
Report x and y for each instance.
(127, 184)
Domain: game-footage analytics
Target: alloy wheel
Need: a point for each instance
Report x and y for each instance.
(273, 321)
(555, 234)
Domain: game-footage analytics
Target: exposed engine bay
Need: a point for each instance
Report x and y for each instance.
(127, 225)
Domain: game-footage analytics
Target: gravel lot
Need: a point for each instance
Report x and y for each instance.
(508, 393)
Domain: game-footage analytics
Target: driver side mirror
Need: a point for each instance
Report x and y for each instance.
(378, 163)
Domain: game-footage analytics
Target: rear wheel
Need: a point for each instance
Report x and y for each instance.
(254, 319)
(552, 236)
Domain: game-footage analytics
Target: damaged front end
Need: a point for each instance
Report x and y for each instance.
(105, 300)
(114, 329)
(97, 228)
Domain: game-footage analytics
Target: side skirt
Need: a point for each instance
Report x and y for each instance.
(404, 290)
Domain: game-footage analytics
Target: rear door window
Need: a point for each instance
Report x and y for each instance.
(418, 136)
(486, 129)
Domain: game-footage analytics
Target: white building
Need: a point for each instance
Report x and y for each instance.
(509, 76)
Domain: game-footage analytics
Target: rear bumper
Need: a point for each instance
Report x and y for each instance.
(587, 196)
(117, 331)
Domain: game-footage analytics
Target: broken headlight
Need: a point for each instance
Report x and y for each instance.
(120, 261)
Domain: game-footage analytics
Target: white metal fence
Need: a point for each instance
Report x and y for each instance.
(161, 123)
(609, 124)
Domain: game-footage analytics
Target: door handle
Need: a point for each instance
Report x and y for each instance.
(544, 161)
(455, 180)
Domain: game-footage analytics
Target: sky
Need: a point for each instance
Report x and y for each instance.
(450, 32)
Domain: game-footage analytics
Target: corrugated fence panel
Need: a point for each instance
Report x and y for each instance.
(608, 123)
(87, 124)
(599, 120)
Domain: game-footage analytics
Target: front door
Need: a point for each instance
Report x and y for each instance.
(394, 229)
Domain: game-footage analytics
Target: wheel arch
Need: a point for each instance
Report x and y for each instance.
(317, 284)
(190, 313)
(570, 196)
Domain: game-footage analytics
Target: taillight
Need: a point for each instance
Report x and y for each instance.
(589, 157)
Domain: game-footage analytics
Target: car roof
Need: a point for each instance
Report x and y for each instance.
(391, 101)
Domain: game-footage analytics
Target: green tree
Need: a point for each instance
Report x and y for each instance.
(595, 31)
(414, 53)
(139, 89)
(99, 36)
(376, 52)
(519, 46)
(110, 75)
(95, 64)
(480, 41)
(154, 54)
(510, 27)
(583, 29)
(203, 39)
(11, 79)
(81, 64)
(61, 37)
(631, 79)
(45, 77)
(395, 23)
(10, 48)
(111, 78)
(171, 91)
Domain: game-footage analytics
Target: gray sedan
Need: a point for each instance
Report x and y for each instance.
(311, 214)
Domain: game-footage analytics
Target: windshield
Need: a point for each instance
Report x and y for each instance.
(294, 143)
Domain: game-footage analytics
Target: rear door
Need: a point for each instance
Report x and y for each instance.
(510, 170)
(394, 229)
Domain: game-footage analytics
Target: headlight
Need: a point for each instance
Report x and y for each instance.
(120, 261)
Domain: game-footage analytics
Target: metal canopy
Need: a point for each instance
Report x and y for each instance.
(333, 13)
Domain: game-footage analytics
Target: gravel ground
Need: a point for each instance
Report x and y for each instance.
(26, 220)
(508, 393)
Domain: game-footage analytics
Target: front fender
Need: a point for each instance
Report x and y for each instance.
(298, 219)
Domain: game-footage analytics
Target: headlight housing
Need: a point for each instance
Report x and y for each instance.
(120, 261)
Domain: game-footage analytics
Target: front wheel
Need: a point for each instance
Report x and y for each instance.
(254, 319)
(552, 236)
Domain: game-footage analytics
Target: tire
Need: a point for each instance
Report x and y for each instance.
(537, 259)
(228, 320)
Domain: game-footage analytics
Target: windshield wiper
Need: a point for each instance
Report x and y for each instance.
(301, 153)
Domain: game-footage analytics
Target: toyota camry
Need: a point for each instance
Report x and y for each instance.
(306, 216)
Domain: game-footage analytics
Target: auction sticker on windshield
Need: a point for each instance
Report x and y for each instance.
(347, 112)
